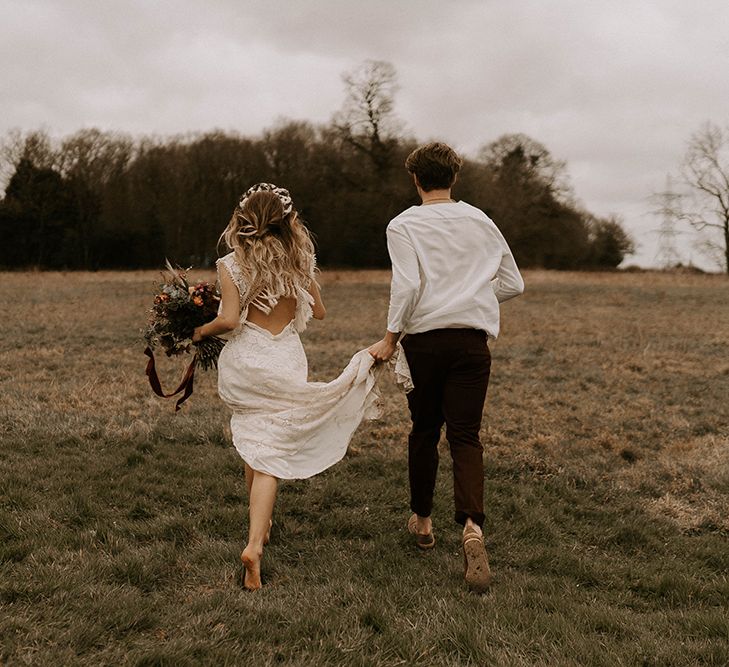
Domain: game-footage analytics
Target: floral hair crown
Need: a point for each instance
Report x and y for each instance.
(282, 193)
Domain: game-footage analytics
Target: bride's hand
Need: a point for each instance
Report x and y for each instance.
(196, 335)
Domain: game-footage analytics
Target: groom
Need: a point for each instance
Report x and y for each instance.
(451, 267)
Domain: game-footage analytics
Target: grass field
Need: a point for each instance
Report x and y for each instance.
(607, 490)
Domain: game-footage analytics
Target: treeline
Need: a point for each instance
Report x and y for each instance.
(103, 200)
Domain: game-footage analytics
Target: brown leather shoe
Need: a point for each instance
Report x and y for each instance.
(475, 561)
(421, 541)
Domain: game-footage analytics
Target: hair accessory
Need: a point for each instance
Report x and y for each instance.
(282, 193)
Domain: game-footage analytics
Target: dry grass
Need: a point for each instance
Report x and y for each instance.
(607, 450)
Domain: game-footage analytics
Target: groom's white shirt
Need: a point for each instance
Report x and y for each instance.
(451, 267)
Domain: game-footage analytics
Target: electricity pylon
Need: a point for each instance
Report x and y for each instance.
(669, 208)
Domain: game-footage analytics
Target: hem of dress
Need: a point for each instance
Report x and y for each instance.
(403, 376)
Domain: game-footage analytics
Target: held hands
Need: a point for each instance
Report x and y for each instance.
(382, 350)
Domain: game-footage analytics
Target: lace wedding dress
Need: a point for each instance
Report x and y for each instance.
(282, 424)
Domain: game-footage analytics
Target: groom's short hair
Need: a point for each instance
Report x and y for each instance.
(435, 165)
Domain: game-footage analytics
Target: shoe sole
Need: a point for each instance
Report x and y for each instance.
(476, 565)
(425, 542)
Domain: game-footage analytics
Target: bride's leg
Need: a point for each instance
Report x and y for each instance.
(249, 479)
(262, 499)
(249, 483)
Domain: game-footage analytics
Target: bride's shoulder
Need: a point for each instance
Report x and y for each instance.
(225, 259)
(230, 263)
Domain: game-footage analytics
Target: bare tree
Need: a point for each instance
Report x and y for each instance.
(287, 147)
(94, 156)
(705, 170)
(367, 120)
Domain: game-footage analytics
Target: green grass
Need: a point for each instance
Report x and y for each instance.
(607, 493)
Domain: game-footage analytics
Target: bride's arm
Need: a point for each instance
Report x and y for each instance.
(318, 309)
(229, 312)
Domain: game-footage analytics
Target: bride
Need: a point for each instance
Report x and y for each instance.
(283, 426)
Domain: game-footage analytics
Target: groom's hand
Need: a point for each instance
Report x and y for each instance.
(384, 349)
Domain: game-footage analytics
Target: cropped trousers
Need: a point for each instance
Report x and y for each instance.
(450, 370)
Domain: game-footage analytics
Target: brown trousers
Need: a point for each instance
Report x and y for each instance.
(450, 370)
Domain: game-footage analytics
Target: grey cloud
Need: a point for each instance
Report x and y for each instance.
(613, 88)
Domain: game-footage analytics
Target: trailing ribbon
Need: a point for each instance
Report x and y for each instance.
(185, 385)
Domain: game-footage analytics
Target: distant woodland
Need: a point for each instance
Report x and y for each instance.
(97, 200)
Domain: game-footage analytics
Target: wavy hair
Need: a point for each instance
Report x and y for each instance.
(273, 250)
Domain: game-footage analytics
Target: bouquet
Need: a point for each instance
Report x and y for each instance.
(179, 307)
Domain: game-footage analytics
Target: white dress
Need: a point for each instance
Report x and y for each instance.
(282, 424)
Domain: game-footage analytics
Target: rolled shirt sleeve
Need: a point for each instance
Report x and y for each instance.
(405, 285)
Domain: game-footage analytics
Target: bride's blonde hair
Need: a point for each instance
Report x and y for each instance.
(273, 249)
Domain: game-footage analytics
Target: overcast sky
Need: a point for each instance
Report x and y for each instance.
(614, 88)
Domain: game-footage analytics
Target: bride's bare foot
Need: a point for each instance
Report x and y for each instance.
(252, 563)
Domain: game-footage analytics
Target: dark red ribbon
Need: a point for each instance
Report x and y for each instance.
(185, 385)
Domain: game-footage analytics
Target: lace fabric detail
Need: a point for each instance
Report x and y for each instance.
(265, 300)
(282, 424)
(304, 309)
(235, 273)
